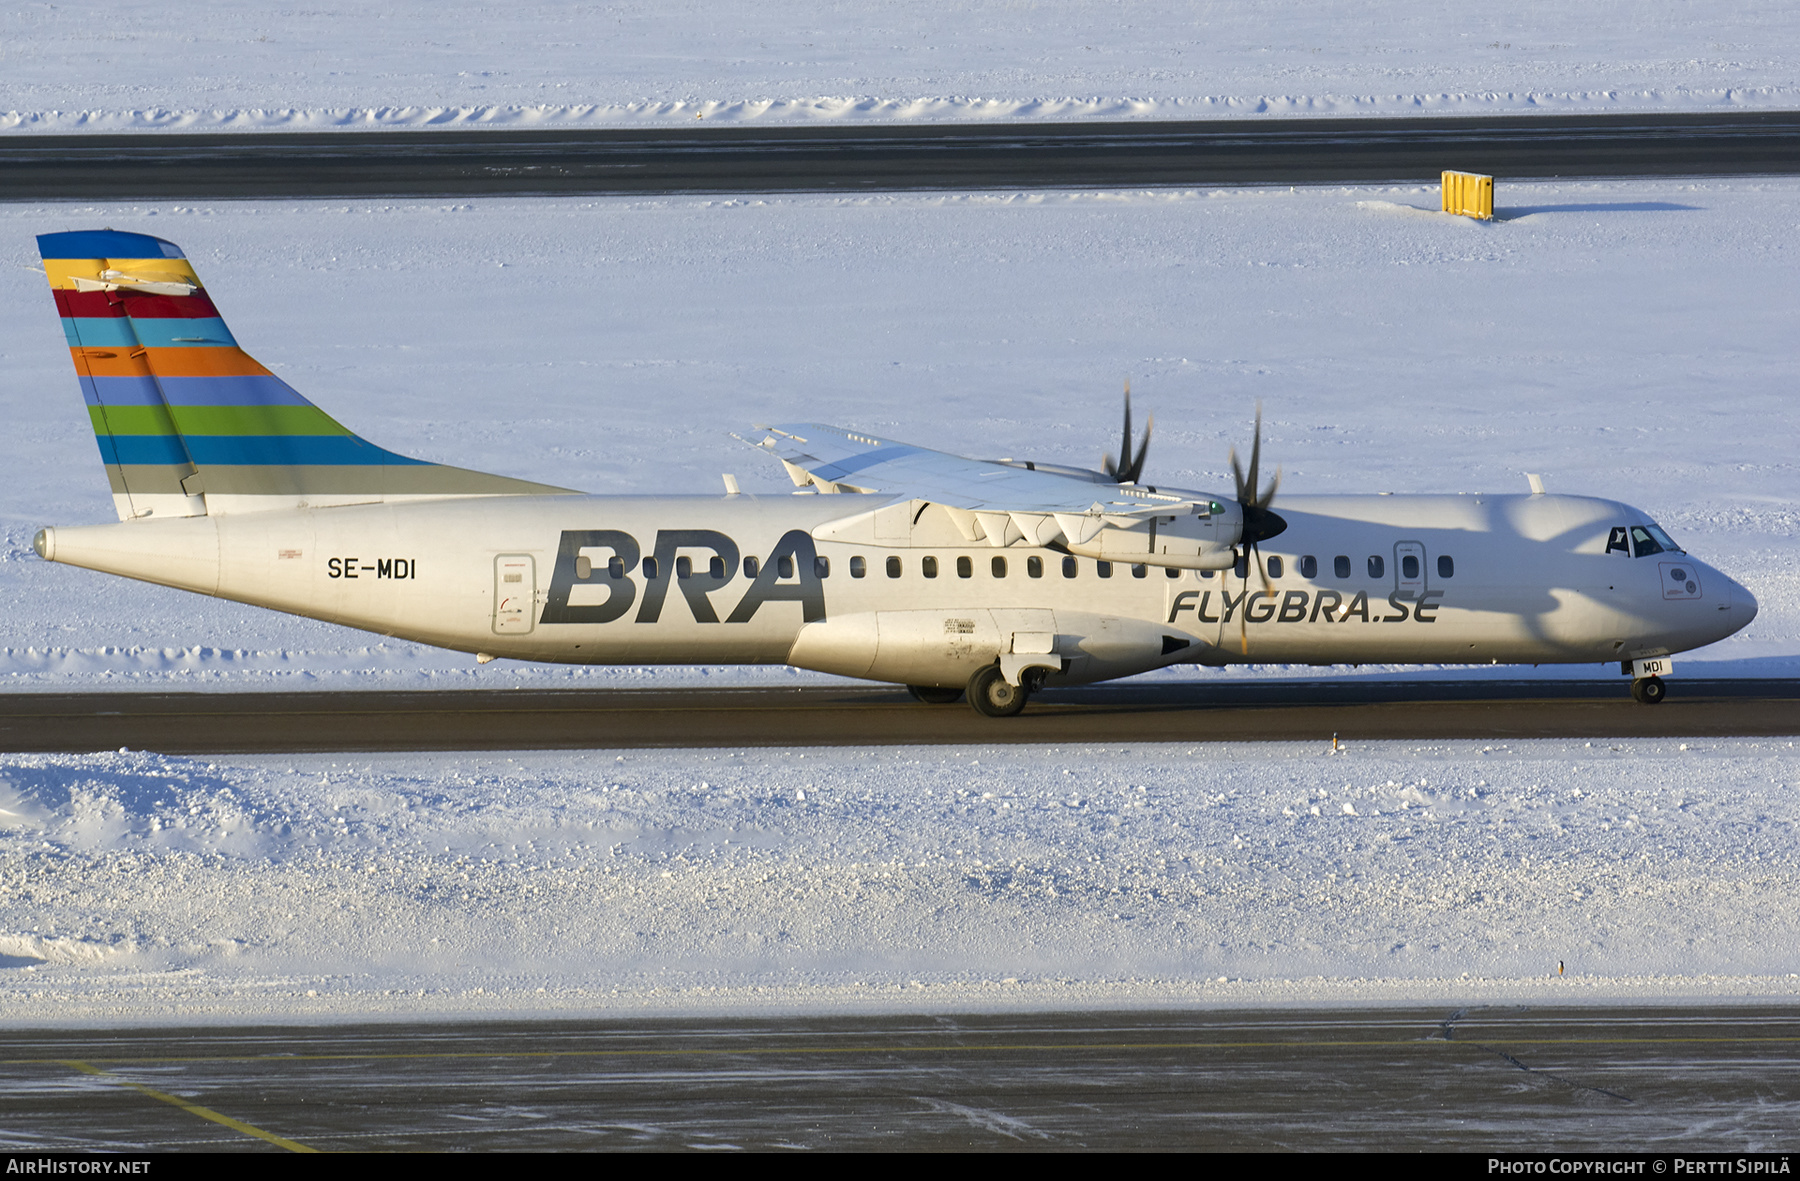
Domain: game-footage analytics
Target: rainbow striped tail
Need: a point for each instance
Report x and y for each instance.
(188, 423)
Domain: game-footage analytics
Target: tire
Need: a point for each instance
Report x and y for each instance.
(993, 697)
(935, 694)
(1649, 691)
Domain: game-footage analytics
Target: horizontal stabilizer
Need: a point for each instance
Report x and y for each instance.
(118, 281)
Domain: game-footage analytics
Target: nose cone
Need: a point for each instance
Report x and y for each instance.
(1725, 608)
(1743, 604)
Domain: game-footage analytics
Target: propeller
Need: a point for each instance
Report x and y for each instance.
(1260, 523)
(1130, 472)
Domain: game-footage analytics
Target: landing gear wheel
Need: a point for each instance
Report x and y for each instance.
(935, 694)
(1648, 691)
(991, 695)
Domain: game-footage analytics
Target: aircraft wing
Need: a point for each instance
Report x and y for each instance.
(852, 462)
(1001, 502)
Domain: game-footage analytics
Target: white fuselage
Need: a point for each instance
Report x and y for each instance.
(660, 580)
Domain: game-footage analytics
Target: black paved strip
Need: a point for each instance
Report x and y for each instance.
(932, 156)
(1504, 1079)
(523, 719)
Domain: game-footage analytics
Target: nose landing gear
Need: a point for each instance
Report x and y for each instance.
(1648, 690)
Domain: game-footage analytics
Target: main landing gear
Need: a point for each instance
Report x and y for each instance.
(990, 694)
(1648, 690)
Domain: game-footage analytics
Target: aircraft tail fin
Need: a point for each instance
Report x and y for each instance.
(188, 423)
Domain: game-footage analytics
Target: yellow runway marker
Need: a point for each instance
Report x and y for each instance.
(208, 1113)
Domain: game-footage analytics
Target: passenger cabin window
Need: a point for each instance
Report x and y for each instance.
(715, 569)
(1274, 567)
(784, 567)
(998, 566)
(1139, 570)
(1309, 567)
(858, 567)
(1446, 566)
(1376, 566)
(1070, 567)
(650, 569)
(928, 567)
(1340, 565)
(893, 567)
(1103, 569)
(1172, 571)
(684, 567)
(822, 567)
(584, 567)
(1409, 566)
(965, 568)
(615, 566)
(1242, 567)
(1034, 567)
(751, 567)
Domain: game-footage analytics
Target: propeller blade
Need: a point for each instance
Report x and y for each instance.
(1128, 469)
(1125, 442)
(1244, 613)
(1259, 523)
(1262, 570)
(1255, 455)
(1135, 472)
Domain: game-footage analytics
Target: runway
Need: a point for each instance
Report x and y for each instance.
(877, 715)
(1482, 1079)
(748, 159)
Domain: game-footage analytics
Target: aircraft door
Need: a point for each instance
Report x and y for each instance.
(1192, 603)
(515, 594)
(1409, 569)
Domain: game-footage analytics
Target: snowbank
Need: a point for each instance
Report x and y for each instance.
(142, 888)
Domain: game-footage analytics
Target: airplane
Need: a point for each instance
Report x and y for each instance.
(890, 562)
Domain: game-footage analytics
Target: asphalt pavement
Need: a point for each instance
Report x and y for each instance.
(880, 715)
(1495, 1079)
(861, 157)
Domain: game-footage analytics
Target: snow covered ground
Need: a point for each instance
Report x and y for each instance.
(140, 888)
(117, 65)
(1633, 340)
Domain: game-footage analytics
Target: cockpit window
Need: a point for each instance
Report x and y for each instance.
(1664, 540)
(1650, 539)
